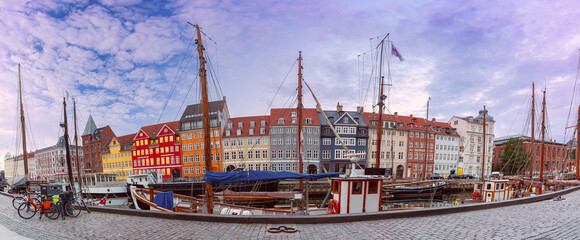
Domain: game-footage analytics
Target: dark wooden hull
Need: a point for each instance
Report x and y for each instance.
(194, 189)
(414, 192)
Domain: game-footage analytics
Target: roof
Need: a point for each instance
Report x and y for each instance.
(196, 110)
(125, 141)
(502, 140)
(368, 117)
(335, 117)
(442, 127)
(90, 127)
(286, 114)
(487, 116)
(153, 130)
(246, 126)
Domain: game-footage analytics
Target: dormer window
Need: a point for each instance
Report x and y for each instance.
(252, 124)
(263, 123)
(294, 114)
(251, 131)
(280, 120)
(294, 120)
(308, 121)
(240, 125)
(239, 132)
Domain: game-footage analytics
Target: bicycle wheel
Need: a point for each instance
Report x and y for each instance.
(72, 209)
(16, 201)
(26, 210)
(53, 212)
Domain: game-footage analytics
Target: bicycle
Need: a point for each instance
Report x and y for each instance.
(72, 207)
(29, 208)
(18, 199)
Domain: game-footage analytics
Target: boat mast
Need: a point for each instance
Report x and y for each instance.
(380, 126)
(381, 104)
(66, 144)
(483, 160)
(204, 100)
(299, 110)
(543, 136)
(426, 137)
(533, 126)
(578, 145)
(24, 153)
(77, 162)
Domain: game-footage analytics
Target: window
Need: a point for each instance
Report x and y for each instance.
(373, 186)
(280, 120)
(356, 187)
(326, 141)
(335, 187)
(308, 121)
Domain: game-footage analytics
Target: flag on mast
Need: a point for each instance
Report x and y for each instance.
(396, 53)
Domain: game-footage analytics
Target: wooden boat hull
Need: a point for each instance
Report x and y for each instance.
(195, 189)
(407, 192)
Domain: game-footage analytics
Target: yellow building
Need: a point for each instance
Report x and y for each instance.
(117, 156)
(246, 144)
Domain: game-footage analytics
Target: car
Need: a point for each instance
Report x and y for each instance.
(435, 176)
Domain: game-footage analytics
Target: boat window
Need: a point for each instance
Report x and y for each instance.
(497, 186)
(502, 186)
(488, 186)
(357, 187)
(373, 186)
(336, 187)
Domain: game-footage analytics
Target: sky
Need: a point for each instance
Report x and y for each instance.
(120, 60)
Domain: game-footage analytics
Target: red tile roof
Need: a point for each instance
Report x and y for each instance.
(246, 126)
(286, 113)
(153, 130)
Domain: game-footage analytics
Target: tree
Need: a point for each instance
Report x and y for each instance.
(513, 157)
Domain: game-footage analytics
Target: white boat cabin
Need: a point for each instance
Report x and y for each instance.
(356, 195)
(493, 190)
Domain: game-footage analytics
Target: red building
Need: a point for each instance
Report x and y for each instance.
(419, 146)
(555, 158)
(157, 148)
(94, 140)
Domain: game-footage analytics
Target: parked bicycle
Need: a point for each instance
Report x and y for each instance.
(29, 208)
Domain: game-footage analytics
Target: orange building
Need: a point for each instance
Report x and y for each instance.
(420, 146)
(192, 137)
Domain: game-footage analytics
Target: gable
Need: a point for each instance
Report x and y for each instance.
(141, 134)
(165, 130)
(345, 119)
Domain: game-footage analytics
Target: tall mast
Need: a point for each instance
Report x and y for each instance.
(483, 160)
(299, 110)
(66, 144)
(578, 145)
(543, 138)
(77, 161)
(380, 126)
(533, 126)
(392, 157)
(24, 153)
(204, 101)
(426, 143)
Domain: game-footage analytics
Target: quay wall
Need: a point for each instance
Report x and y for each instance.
(338, 218)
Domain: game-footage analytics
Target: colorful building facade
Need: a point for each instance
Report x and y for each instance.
(192, 137)
(157, 148)
(117, 156)
(246, 144)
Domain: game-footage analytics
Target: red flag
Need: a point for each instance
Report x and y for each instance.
(396, 53)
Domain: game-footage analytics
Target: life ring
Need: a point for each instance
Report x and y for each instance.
(475, 195)
(334, 207)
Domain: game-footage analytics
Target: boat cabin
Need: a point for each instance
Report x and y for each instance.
(355, 195)
(493, 190)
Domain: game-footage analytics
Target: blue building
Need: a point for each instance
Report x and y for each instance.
(352, 129)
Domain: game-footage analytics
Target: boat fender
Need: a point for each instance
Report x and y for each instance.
(334, 207)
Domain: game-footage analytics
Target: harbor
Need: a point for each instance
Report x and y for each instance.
(538, 220)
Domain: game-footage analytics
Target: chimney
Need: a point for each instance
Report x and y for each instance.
(338, 107)
(359, 109)
(433, 119)
(411, 115)
(396, 114)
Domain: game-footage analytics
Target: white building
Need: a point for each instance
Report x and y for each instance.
(446, 148)
(471, 150)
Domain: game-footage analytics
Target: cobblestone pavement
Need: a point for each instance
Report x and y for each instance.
(540, 220)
